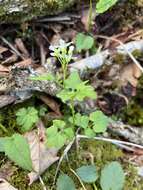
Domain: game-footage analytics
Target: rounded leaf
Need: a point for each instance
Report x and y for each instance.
(65, 183)
(87, 173)
(112, 177)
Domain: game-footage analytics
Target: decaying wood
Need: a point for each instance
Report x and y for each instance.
(23, 10)
(97, 60)
(131, 133)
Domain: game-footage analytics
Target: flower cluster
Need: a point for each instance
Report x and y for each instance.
(63, 51)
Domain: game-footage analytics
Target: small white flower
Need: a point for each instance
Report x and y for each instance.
(52, 54)
(71, 48)
(51, 47)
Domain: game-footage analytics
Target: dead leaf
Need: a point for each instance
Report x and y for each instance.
(4, 69)
(4, 185)
(85, 17)
(2, 49)
(23, 64)
(6, 100)
(20, 45)
(10, 59)
(42, 157)
(130, 74)
(51, 103)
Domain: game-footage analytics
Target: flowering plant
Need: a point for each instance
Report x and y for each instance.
(64, 53)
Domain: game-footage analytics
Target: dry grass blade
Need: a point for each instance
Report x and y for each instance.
(4, 185)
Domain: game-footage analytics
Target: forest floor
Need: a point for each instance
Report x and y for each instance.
(108, 53)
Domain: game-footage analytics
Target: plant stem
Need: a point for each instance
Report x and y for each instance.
(64, 68)
(73, 111)
(78, 178)
(94, 186)
(3, 128)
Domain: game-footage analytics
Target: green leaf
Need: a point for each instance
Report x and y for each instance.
(56, 141)
(17, 149)
(88, 173)
(103, 5)
(27, 117)
(73, 80)
(2, 143)
(57, 134)
(48, 77)
(42, 111)
(112, 177)
(84, 91)
(75, 89)
(84, 42)
(51, 131)
(69, 133)
(89, 132)
(100, 121)
(59, 124)
(65, 95)
(64, 182)
(80, 121)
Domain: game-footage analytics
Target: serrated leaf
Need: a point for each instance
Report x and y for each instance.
(103, 5)
(26, 117)
(59, 124)
(17, 149)
(57, 141)
(89, 132)
(88, 173)
(84, 42)
(72, 81)
(84, 91)
(75, 89)
(100, 121)
(65, 95)
(64, 182)
(112, 177)
(80, 121)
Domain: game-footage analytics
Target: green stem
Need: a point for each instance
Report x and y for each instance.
(78, 178)
(73, 111)
(3, 128)
(64, 74)
(94, 186)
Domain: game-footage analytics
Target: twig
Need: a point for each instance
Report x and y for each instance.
(78, 178)
(12, 47)
(114, 141)
(68, 147)
(122, 44)
(42, 183)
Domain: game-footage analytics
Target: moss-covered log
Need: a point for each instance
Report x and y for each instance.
(21, 10)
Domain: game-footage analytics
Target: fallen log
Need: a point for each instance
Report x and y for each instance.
(23, 10)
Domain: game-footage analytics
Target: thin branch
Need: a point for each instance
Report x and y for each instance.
(114, 141)
(68, 147)
(42, 183)
(12, 47)
(122, 44)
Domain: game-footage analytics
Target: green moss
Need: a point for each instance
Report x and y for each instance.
(101, 152)
(31, 9)
(119, 58)
(89, 150)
